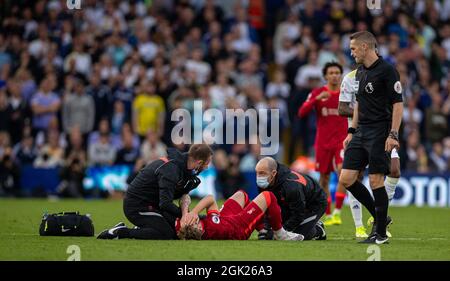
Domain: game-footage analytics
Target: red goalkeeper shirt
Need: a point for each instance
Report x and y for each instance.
(331, 127)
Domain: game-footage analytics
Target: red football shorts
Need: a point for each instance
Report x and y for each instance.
(244, 219)
(328, 159)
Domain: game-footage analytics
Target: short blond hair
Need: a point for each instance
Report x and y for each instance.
(365, 37)
(190, 232)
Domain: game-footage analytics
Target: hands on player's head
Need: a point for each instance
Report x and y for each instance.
(190, 232)
(189, 218)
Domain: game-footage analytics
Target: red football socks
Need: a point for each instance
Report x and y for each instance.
(328, 210)
(339, 200)
(273, 211)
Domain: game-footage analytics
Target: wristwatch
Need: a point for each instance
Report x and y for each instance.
(393, 135)
(351, 130)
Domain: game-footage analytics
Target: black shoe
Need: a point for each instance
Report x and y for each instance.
(265, 234)
(112, 232)
(374, 226)
(323, 234)
(375, 239)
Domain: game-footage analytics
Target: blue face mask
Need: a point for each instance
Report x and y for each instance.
(262, 182)
(197, 171)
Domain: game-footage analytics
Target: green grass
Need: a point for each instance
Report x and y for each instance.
(419, 234)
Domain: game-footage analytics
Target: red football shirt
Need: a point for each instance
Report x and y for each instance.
(331, 127)
(217, 227)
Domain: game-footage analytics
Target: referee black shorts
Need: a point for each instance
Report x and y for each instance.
(367, 147)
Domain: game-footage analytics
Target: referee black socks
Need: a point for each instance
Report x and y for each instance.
(381, 207)
(362, 194)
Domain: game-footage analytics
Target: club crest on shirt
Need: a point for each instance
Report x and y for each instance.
(356, 86)
(215, 219)
(369, 88)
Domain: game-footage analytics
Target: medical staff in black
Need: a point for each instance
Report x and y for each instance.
(148, 203)
(300, 197)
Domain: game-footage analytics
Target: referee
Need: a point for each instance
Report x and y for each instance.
(374, 131)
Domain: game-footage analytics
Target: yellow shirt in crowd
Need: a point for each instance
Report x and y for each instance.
(147, 109)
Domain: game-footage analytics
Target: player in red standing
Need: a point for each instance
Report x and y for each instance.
(330, 134)
(236, 220)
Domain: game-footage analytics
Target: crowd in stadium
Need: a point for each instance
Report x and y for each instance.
(97, 86)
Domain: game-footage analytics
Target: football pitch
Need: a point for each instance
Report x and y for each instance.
(418, 234)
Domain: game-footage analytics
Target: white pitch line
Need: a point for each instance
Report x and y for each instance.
(329, 238)
(18, 234)
(394, 238)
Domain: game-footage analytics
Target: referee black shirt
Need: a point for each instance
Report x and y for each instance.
(379, 88)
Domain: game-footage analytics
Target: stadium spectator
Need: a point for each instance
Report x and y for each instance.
(310, 70)
(118, 49)
(102, 151)
(25, 152)
(102, 98)
(294, 64)
(412, 117)
(249, 74)
(146, 48)
(249, 160)
(279, 90)
(106, 67)
(119, 117)
(436, 120)
(39, 47)
(42, 137)
(123, 94)
(103, 128)
(417, 159)
(72, 175)
(126, 129)
(447, 150)
(222, 91)
(128, 154)
(5, 111)
(9, 175)
(76, 148)
(232, 179)
(229, 179)
(289, 29)
(438, 161)
(200, 68)
(45, 104)
(27, 84)
(79, 59)
(18, 111)
(152, 148)
(286, 52)
(51, 154)
(73, 171)
(78, 110)
(5, 142)
(148, 110)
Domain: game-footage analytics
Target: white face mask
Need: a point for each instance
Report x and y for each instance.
(262, 182)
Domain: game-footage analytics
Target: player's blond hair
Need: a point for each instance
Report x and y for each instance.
(190, 232)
